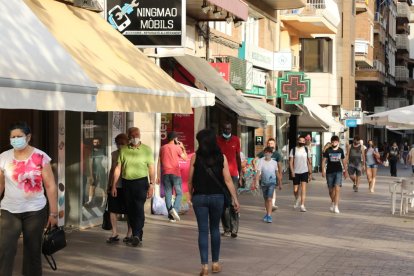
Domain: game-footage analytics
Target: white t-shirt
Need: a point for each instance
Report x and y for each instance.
(300, 161)
(23, 181)
(268, 170)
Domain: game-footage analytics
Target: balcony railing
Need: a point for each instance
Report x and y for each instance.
(403, 10)
(401, 73)
(361, 47)
(402, 42)
(323, 8)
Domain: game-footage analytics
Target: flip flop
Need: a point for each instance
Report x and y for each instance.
(112, 239)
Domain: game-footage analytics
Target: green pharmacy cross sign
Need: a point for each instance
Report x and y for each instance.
(293, 87)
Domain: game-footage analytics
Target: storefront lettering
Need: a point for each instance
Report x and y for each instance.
(164, 126)
(157, 23)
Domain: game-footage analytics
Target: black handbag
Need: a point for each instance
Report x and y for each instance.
(54, 239)
(106, 221)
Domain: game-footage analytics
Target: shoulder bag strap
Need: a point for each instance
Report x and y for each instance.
(215, 180)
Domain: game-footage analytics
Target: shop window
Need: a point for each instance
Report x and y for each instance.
(94, 164)
(316, 55)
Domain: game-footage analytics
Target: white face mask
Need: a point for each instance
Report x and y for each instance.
(267, 156)
(135, 141)
(226, 136)
(18, 143)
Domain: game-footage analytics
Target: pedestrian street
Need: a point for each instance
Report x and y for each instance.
(364, 239)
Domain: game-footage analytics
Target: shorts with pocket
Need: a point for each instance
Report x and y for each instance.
(267, 190)
(334, 179)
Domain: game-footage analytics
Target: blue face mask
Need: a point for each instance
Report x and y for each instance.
(226, 136)
(18, 143)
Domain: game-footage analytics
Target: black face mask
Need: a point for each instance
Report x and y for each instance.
(301, 144)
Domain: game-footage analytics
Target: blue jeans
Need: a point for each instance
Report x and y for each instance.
(208, 208)
(170, 181)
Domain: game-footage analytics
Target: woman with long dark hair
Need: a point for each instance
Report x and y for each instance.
(208, 179)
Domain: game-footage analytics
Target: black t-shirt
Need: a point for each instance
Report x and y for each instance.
(334, 160)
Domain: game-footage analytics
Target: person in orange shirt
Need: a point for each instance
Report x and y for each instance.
(230, 146)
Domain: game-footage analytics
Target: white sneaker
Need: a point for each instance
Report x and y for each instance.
(336, 210)
(302, 208)
(297, 202)
(174, 214)
(332, 208)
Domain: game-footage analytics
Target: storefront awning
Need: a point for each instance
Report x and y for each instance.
(268, 111)
(126, 79)
(317, 117)
(205, 73)
(35, 71)
(200, 98)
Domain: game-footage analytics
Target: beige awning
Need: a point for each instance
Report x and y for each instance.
(200, 98)
(126, 79)
(31, 71)
(267, 111)
(223, 90)
(317, 117)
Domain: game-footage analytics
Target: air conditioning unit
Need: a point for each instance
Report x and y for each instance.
(357, 105)
(91, 5)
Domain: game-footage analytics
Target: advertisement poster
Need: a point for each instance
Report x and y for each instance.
(148, 23)
(183, 124)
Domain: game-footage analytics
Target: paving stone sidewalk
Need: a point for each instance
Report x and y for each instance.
(365, 239)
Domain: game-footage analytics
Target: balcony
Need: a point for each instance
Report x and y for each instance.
(402, 42)
(401, 73)
(361, 5)
(403, 11)
(317, 17)
(363, 53)
(374, 74)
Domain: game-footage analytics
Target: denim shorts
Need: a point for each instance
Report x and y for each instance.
(373, 166)
(267, 190)
(334, 179)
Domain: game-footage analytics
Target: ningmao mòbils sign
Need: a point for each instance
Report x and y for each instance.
(149, 23)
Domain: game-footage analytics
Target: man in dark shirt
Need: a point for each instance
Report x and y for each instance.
(334, 169)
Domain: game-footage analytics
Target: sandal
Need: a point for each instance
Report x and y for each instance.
(127, 239)
(112, 239)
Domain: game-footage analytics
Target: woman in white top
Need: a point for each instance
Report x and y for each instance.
(24, 171)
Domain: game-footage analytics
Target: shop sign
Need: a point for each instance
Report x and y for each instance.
(293, 87)
(260, 57)
(149, 23)
(274, 61)
(255, 90)
(259, 140)
(351, 123)
(259, 78)
(223, 69)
